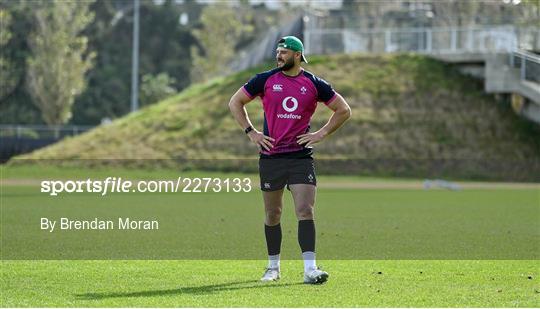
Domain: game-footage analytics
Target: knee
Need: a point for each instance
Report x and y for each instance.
(273, 216)
(304, 212)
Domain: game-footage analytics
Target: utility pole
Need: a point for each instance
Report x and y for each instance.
(135, 59)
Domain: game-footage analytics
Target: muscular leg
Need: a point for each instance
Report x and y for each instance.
(273, 205)
(304, 202)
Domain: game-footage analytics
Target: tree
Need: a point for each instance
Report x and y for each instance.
(222, 26)
(56, 70)
(8, 78)
(15, 103)
(531, 9)
(164, 48)
(156, 88)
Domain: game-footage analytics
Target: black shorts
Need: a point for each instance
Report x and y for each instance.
(276, 172)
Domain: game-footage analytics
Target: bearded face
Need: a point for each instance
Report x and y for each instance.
(284, 58)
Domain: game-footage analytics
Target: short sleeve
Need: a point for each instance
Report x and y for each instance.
(255, 86)
(325, 92)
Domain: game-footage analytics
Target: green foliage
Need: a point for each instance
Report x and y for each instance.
(16, 104)
(8, 78)
(532, 3)
(59, 61)
(222, 27)
(165, 48)
(5, 20)
(155, 88)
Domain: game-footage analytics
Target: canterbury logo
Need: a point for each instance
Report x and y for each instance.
(285, 104)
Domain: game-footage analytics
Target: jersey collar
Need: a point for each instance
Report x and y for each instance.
(289, 76)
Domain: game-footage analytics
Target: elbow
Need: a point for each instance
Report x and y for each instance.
(343, 109)
(346, 112)
(232, 104)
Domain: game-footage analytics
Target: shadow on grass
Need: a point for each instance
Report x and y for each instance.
(203, 289)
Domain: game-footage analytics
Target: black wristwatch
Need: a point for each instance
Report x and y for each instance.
(248, 129)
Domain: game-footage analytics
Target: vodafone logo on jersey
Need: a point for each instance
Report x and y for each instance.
(285, 104)
(289, 104)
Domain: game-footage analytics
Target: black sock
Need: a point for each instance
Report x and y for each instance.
(273, 238)
(306, 235)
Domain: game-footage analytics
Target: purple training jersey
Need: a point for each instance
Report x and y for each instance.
(288, 103)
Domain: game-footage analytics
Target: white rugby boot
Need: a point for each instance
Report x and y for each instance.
(270, 274)
(315, 276)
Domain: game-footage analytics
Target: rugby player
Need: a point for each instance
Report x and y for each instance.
(289, 95)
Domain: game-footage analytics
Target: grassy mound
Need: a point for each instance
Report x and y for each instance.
(411, 115)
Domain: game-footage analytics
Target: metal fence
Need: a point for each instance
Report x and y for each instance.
(19, 139)
(482, 39)
(41, 131)
(528, 65)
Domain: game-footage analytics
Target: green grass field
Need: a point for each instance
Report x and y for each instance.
(234, 284)
(382, 248)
